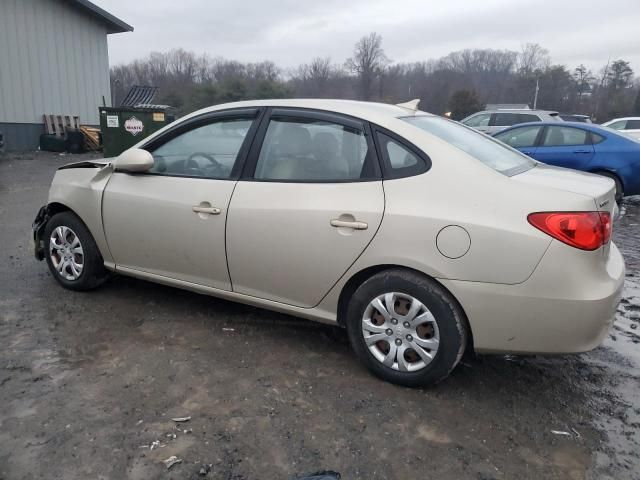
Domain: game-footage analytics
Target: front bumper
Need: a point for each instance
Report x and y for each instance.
(37, 228)
(566, 306)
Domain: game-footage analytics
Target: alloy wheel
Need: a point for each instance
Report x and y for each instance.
(65, 250)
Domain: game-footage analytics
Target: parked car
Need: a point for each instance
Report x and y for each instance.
(628, 125)
(420, 236)
(492, 121)
(570, 117)
(581, 146)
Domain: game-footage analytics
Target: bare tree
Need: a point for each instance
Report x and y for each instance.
(368, 63)
(316, 75)
(532, 58)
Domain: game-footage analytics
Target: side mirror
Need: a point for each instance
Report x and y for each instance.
(133, 160)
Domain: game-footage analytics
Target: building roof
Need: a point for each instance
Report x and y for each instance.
(114, 24)
(507, 106)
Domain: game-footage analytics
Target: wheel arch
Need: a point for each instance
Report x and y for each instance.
(360, 277)
(56, 207)
(608, 171)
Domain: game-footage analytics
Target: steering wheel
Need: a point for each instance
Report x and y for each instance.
(191, 166)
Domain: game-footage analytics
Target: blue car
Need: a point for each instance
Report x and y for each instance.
(581, 146)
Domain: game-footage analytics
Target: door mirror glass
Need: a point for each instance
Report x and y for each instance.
(134, 160)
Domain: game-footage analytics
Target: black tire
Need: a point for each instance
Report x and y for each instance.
(619, 186)
(449, 317)
(93, 273)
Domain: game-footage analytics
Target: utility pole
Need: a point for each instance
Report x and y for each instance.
(535, 98)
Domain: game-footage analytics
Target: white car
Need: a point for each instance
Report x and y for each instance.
(628, 125)
(419, 235)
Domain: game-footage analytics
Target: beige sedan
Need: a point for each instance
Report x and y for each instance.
(419, 235)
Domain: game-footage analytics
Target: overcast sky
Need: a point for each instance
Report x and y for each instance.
(291, 32)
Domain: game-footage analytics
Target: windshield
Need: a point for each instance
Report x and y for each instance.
(491, 152)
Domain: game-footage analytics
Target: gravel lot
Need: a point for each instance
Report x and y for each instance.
(88, 381)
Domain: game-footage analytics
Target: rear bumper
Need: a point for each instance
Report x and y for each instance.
(566, 306)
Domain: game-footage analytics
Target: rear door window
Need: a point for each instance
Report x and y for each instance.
(633, 125)
(313, 150)
(565, 136)
(528, 117)
(505, 119)
(619, 125)
(479, 120)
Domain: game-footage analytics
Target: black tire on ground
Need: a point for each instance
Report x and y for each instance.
(449, 316)
(93, 272)
(619, 187)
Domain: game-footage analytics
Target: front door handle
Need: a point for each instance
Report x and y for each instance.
(346, 224)
(209, 210)
(582, 151)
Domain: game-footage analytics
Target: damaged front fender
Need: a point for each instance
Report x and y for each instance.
(37, 227)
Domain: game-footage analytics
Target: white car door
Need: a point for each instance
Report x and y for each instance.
(170, 221)
(309, 203)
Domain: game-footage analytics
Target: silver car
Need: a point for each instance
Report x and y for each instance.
(492, 121)
(420, 236)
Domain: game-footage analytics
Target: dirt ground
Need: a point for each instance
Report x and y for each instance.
(89, 381)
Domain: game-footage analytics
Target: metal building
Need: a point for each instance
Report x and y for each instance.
(53, 60)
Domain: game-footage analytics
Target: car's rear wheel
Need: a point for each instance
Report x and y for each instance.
(619, 186)
(406, 328)
(72, 254)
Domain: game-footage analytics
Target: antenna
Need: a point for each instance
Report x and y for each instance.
(410, 105)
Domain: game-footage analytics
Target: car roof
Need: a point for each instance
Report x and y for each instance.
(548, 112)
(586, 126)
(371, 111)
(622, 118)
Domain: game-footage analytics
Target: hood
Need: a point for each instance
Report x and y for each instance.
(97, 163)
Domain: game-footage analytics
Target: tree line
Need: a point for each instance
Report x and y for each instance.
(461, 82)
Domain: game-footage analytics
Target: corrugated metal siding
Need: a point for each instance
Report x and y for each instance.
(53, 59)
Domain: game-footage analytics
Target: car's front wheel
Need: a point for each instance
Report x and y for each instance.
(406, 328)
(72, 254)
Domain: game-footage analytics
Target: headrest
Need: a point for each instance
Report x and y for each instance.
(294, 141)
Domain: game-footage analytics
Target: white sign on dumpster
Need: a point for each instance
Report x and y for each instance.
(113, 121)
(133, 126)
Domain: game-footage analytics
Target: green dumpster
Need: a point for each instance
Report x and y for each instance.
(123, 127)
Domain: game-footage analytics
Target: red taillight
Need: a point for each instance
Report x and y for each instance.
(583, 230)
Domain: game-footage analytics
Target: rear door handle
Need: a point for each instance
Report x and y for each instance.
(582, 151)
(209, 210)
(346, 224)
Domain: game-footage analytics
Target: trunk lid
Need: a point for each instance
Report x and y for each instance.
(601, 189)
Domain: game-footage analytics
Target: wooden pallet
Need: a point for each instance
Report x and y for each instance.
(58, 124)
(91, 137)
